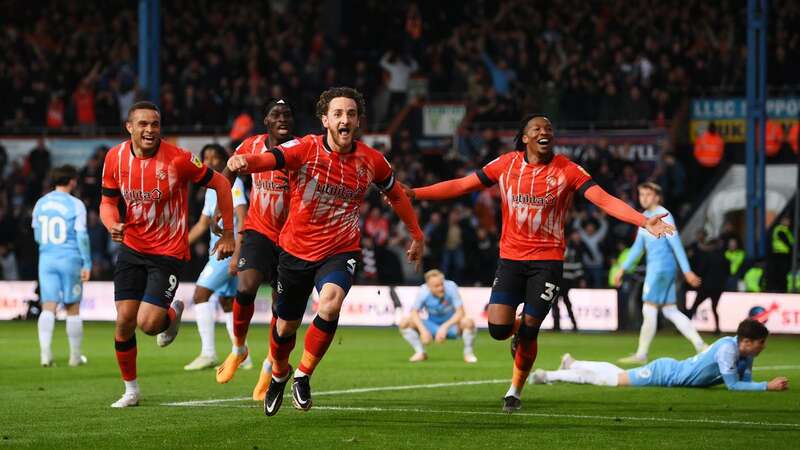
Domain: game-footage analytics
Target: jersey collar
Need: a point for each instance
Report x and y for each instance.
(329, 150)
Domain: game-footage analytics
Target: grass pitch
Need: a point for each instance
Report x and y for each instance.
(367, 396)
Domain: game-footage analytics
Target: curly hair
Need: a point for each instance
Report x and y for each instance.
(523, 125)
(347, 92)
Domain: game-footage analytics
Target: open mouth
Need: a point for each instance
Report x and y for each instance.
(282, 127)
(543, 141)
(148, 140)
(344, 132)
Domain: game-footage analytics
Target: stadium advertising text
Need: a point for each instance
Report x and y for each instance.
(729, 114)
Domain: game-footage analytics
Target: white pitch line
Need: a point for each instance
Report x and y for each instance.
(785, 367)
(348, 391)
(557, 416)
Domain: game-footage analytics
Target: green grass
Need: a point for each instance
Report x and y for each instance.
(65, 407)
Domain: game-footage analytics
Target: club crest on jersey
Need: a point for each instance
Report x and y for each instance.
(551, 181)
(196, 161)
(161, 174)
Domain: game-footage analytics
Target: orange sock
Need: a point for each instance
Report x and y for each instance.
(126, 358)
(527, 348)
(318, 338)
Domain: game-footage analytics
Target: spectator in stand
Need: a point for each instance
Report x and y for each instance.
(592, 231)
(735, 256)
(709, 147)
(83, 100)
(400, 68)
(779, 262)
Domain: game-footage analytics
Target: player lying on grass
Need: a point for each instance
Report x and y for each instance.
(729, 360)
(329, 176)
(537, 187)
(446, 319)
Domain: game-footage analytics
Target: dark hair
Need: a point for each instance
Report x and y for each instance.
(652, 186)
(62, 175)
(752, 329)
(273, 102)
(523, 124)
(712, 127)
(347, 92)
(220, 150)
(143, 105)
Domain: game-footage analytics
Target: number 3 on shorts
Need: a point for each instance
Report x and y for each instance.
(549, 291)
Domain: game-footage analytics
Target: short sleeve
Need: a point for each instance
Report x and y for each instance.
(578, 178)
(452, 290)
(237, 191)
(490, 173)
(209, 203)
(189, 167)
(294, 153)
(110, 186)
(422, 295)
(384, 175)
(80, 215)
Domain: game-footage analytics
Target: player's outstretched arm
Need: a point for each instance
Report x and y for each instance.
(449, 189)
(617, 208)
(255, 163)
(402, 206)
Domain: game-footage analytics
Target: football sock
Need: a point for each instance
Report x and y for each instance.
(47, 321)
(597, 366)
(126, 358)
(318, 338)
(469, 340)
(280, 347)
(75, 334)
(648, 331)
(171, 315)
(205, 326)
(243, 307)
(582, 376)
(525, 355)
(412, 337)
(684, 325)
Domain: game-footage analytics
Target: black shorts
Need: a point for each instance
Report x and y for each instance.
(297, 277)
(536, 283)
(260, 253)
(149, 278)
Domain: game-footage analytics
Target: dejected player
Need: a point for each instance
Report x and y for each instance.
(219, 275)
(536, 188)
(446, 318)
(329, 178)
(257, 256)
(65, 261)
(659, 280)
(729, 360)
(151, 176)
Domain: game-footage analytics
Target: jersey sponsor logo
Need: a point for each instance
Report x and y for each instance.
(532, 200)
(138, 195)
(196, 161)
(341, 191)
(269, 185)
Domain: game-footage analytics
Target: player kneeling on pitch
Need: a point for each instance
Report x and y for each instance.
(729, 360)
(446, 319)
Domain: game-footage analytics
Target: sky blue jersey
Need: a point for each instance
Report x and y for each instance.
(661, 253)
(720, 363)
(210, 204)
(439, 309)
(59, 227)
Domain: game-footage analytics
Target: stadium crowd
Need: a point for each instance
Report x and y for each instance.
(220, 59)
(647, 60)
